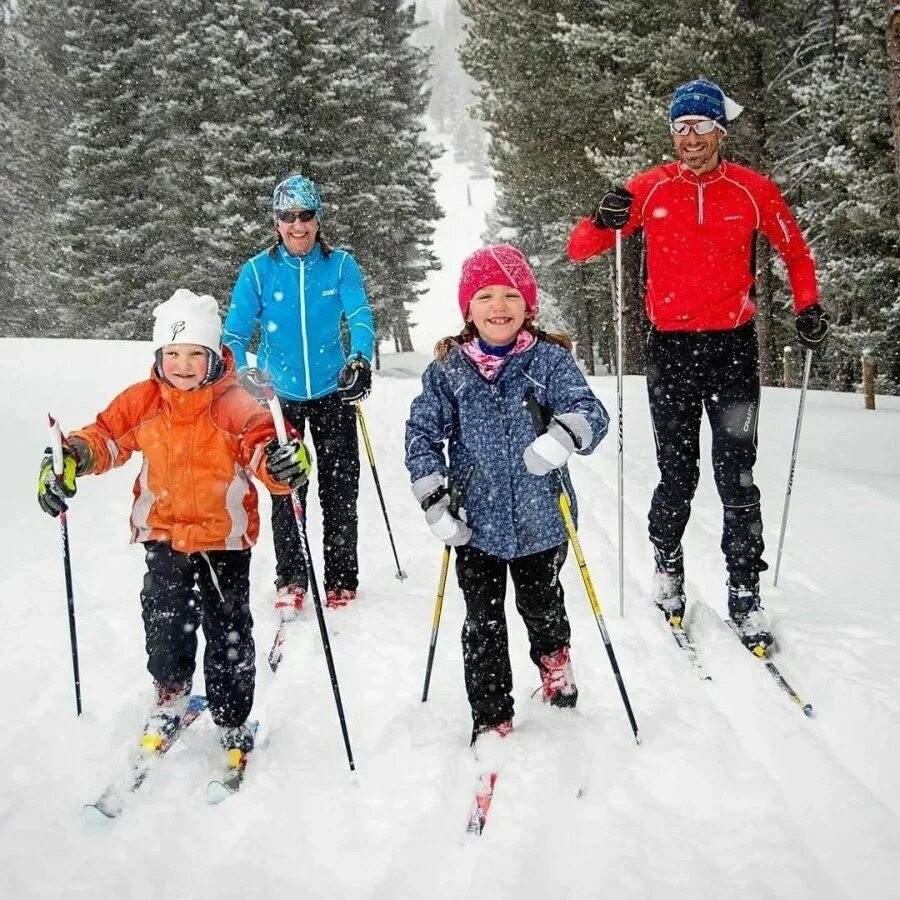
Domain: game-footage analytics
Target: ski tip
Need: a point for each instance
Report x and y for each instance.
(216, 792)
(97, 814)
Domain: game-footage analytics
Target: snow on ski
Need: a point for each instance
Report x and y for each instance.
(687, 645)
(760, 653)
(277, 652)
(111, 803)
(481, 803)
(221, 789)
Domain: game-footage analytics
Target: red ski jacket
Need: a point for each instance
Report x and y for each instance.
(699, 244)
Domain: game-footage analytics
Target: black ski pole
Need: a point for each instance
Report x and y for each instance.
(565, 508)
(56, 440)
(300, 519)
(365, 433)
(457, 499)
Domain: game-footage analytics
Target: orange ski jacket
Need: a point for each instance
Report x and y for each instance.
(200, 448)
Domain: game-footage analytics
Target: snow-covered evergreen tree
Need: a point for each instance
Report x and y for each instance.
(34, 113)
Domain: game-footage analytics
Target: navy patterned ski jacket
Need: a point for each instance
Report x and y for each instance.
(511, 512)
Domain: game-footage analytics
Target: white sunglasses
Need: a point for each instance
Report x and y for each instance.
(704, 126)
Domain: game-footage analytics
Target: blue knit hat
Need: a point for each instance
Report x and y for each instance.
(699, 98)
(297, 192)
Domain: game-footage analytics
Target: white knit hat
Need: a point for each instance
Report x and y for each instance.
(187, 318)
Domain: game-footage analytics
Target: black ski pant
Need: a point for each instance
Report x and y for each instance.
(718, 370)
(540, 602)
(336, 458)
(185, 590)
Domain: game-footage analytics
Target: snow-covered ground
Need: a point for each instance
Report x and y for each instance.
(732, 789)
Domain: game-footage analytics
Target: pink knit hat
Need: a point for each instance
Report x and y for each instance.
(499, 264)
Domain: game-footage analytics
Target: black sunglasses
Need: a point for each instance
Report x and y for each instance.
(289, 216)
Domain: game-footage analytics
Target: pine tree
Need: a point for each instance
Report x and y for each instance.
(34, 113)
(107, 219)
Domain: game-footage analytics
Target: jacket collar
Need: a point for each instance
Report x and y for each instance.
(706, 178)
(295, 261)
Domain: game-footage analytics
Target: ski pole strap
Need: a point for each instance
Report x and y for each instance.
(539, 416)
(459, 491)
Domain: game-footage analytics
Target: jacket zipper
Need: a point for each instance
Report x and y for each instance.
(303, 328)
(700, 202)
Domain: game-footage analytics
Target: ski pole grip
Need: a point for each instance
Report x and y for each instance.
(277, 415)
(537, 414)
(56, 443)
(459, 491)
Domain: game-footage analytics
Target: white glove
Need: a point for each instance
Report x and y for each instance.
(435, 500)
(446, 527)
(554, 447)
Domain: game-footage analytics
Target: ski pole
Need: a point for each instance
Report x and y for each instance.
(300, 519)
(621, 431)
(457, 495)
(56, 442)
(565, 509)
(807, 364)
(365, 433)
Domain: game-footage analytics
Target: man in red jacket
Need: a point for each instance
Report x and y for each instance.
(700, 216)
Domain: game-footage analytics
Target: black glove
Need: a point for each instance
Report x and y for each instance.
(614, 210)
(255, 381)
(52, 491)
(355, 380)
(812, 327)
(288, 463)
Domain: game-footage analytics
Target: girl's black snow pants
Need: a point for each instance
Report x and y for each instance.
(540, 602)
(718, 370)
(185, 590)
(336, 461)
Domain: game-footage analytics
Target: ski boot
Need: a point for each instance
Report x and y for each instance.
(289, 602)
(237, 741)
(165, 717)
(746, 613)
(668, 584)
(337, 598)
(558, 680)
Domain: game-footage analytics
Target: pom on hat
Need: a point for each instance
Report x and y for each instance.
(703, 99)
(297, 192)
(188, 318)
(498, 264)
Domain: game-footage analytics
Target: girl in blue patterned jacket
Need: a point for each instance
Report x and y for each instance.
(472, 397)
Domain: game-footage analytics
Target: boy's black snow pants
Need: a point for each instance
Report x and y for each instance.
(336, 461)
(539, 600)
(718, 370)
(212, 589)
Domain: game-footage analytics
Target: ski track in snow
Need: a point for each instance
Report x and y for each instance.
(732, 789)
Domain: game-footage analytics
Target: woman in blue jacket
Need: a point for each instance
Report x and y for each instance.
(472, 399)
(298, 292)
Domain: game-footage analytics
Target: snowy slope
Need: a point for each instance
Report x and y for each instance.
(732, 789)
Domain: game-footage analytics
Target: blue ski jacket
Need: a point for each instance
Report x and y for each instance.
(298, 303)
(511, 512)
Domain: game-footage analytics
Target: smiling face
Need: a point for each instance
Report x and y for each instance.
(498, 313)
(184, 365)
(699, 152)
(299, 237)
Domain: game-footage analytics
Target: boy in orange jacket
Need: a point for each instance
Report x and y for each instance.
(195, 509)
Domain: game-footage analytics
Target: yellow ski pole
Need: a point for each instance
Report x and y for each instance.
(457, 499)
(565, 509)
